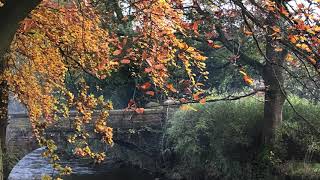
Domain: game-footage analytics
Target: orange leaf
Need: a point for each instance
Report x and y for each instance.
(278, 49)
(145, 86)
(196, 96)
(248, 33)
(117, 52)
(151, 93)
(195, 26)
(284, 11)
(187, 107)
(139, 110)
(159, 66)
(216, 46)
(292, 39)
(144, 55)
(247, 79)
(171, 88)
(125, 61)
(203, 101)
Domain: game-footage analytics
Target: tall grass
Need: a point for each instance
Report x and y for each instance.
(217, 139)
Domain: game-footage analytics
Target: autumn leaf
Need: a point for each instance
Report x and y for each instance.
(284, 11)
(171, 88)
(27, 24)
(203, 101)
(125, 61)
(144, 55)
(117, 52)
(195, 27)
(248, 80)
(145, 86)
(243, 73)
(159, 67)
(183, 100)
(278, 49)
(196, 95)
(187, 107)
(147, 70)
(276, 29)
(151, 93)
(292, 39)
(139, 110)
(289, 58)
(248, 33)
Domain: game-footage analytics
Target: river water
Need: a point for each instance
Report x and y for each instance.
(125, 173)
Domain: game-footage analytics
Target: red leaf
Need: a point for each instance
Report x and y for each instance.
(159, 66)
(144, 55)
(117, 52)
(139, 110)
(147, 70)
(195, 26)
(203, 101)
(151, 93)
(125, 61)
(196, 96)
(183, 100)
(145, 86)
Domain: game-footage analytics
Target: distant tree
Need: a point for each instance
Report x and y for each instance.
(275, 39)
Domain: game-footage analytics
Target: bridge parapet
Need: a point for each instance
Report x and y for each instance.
(128, 126)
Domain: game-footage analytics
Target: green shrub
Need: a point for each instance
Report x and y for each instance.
(296, 138)
(219, 138)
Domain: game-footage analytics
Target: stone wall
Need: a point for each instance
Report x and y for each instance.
(129, 127)
(138, 141)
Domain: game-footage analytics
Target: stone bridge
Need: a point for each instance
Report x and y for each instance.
(138, 137)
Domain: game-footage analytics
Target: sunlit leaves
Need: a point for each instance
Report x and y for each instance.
(246, 78)
(60, 38)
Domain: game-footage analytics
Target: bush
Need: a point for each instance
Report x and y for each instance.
(218, 138)
(296, 138)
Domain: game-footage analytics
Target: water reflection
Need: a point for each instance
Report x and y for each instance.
(125, 173)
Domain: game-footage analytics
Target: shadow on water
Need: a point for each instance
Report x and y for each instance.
(126, 173)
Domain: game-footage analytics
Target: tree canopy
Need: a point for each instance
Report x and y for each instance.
(157, 38)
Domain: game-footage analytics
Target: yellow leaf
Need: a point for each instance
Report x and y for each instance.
(278, 49)
(187, 108)
(248, 33)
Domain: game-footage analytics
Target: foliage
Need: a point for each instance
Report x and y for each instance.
(10, 159)
(218, 139)
(301, 169)
(296, 140)
(215, 137)
(60, 39)
(68, 37)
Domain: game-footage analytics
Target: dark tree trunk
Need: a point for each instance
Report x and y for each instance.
(273, 105)
(273, 79)
(3, 114)
(11, 14)
(3, 124)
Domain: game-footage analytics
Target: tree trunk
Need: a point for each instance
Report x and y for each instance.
(273, 79)
(273, 105)
(3, 125)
